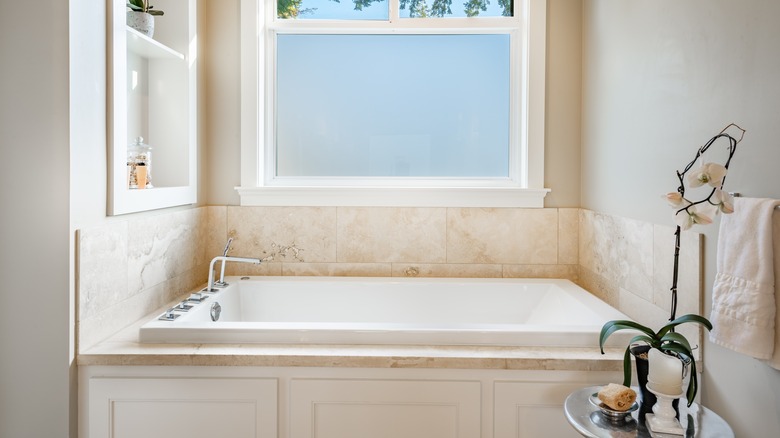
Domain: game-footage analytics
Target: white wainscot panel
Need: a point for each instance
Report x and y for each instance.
(192, 408)
(533, 409)
(335, 408)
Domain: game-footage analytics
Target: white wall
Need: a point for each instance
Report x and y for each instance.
(659, 79)
(35, 324)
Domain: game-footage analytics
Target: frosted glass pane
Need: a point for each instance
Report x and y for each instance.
(392, 105)
(332, 9)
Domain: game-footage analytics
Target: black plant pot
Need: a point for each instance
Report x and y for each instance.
(642, 368)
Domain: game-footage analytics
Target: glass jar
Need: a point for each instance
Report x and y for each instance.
(139, 165)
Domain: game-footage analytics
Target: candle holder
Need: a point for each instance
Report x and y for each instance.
(663, 419)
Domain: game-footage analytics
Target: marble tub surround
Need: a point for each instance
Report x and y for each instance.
(130, 266)
(127, 268)
(629, 264)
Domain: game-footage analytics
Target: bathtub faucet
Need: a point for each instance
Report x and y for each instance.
(225, 259)
(221, 282)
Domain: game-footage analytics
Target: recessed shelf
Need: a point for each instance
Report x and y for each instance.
(149, 48)
(153, 94)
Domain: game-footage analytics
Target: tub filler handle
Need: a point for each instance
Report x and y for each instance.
(169, 315)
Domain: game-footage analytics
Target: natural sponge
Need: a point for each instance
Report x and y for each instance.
(617, 397)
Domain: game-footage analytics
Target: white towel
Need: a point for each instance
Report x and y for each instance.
(743, 296)
(774, 362)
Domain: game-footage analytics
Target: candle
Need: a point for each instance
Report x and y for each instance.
(664, 372)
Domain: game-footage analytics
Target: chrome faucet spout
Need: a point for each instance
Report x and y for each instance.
(225, 259)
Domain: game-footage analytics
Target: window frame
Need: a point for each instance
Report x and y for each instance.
(523, 188)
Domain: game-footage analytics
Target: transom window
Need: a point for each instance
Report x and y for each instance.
(418, 102)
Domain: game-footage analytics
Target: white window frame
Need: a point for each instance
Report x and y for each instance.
(523, 188)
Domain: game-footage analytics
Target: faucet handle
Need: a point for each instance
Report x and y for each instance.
(227, 247)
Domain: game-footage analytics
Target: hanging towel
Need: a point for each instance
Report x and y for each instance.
(774, 362)
(743, 295)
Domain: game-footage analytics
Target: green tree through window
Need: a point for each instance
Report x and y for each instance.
(291, 9)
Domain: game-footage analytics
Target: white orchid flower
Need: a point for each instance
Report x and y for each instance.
(723, 200)
(693, 215)
(676, 200)
(708, 173)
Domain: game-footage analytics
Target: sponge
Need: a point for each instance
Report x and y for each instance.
(617, 397)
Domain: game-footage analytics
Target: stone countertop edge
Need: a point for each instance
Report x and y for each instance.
(376, 356)
(124, 349)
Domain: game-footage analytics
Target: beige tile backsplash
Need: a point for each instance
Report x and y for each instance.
(129, 268)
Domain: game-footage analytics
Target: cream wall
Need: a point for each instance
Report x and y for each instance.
(221, 50)
(659, 79)
(36, 360)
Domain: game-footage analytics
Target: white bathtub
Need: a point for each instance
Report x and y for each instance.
(328, 310)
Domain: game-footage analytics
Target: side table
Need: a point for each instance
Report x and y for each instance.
(589, 421)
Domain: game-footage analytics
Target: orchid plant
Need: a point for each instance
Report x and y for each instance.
(687, 214)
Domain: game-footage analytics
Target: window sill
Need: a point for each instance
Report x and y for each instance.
(393, 196)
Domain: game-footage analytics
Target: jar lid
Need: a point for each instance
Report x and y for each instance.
(139, 144)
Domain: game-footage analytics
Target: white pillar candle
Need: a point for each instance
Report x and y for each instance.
(664, 372)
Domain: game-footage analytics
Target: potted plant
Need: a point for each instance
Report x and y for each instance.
(140, 16)
(687, 213)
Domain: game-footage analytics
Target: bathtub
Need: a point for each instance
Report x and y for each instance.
(401, 311)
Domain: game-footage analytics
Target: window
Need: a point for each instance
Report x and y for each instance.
(393, 102)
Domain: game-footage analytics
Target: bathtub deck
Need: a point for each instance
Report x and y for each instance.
(124, 349)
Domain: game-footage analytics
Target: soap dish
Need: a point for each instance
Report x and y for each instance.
(617, 417)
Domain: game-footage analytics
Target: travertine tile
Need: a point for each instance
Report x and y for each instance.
(386, 235)
(120, 315)
(255, 230)
(164, 246)
(568, 236)
(618, 249)
(193, 279)
(641, 310)
(102, 267)
(337, 269)
(599, 286)
(502, 235)
(217, 235)
(568, 272)
(266, 268)
(446, 270)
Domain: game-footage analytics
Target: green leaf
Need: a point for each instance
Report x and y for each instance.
(627, 367)
(682, 320)
(693, 383)
(676, 338)
(612, 326)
